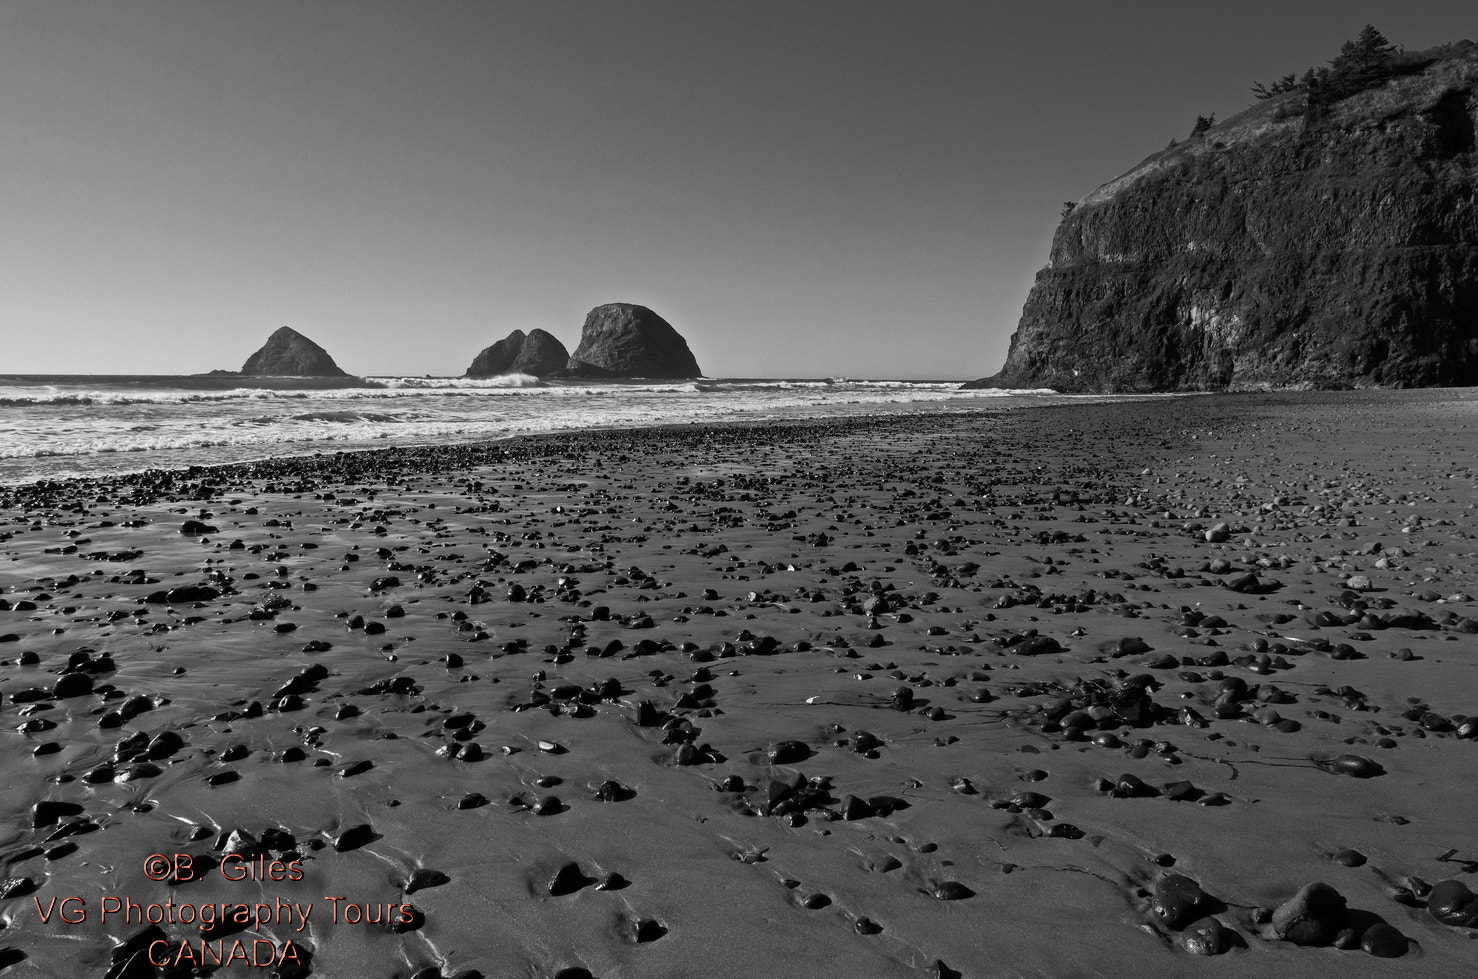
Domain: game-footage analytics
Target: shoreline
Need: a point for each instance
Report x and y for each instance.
(923, 411)
(860, 695)
(86, 438)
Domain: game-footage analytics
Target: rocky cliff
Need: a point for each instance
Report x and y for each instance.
(1287, 247)
(625, 340)
(288, 353)
(537, 352)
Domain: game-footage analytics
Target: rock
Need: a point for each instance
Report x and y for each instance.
(787, 752)
(1130, 786)
(1037, 646)
(1284, 247)
(1206, 937)
(1383, 941)
(287, 353)
(1310, 917)
(1452, 903)
(1355, 766)
(425, 877)
(1178, 901)
(625, 340)
(190, 593)
(16, 887)
(536, 352)
(164, 744)
(567, 880)
(354, 837)
(950, 890)
(72, 685)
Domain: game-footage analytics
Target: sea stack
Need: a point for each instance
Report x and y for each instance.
(1327, 237)
(287, 353)
(537, 352)
(626, 340)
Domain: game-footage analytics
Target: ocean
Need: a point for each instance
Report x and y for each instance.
(60, 426)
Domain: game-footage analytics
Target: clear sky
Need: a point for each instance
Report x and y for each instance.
(802, 188)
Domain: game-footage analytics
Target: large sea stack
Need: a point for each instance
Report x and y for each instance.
(1327, 237)
(287, 353)
(537, 352)
(626, 340)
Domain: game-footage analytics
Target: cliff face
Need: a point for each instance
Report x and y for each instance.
(626, 340)
(537, 352)
(288, 353)
(1280, 250)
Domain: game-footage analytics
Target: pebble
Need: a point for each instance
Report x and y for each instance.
(1452, 903)
(1383, 941)
(1207, 936)
(1311, 917)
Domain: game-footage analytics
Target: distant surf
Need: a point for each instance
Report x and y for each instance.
(55, 426)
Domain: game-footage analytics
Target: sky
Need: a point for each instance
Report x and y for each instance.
(809, 188)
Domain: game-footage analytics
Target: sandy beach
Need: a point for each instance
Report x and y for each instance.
(1089, 690)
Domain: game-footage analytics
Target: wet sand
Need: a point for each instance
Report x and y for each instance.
(1089, 690)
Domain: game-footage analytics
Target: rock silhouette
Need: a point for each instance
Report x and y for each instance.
(288, 353)
(536, 352)
(626, 340)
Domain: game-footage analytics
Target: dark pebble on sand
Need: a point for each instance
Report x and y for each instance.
(1355, 766)
(16, 887)
(1129, 786)
(1383, 941)
(1178, 901)
(1452, 903)
(1206, 937)
(1310, 917)
(354, 837)
(613, 791)
(48, 812)
(567, 880)
(72, 685)
(787, 752)
(950, 890)
(646, 930)
(425, 877)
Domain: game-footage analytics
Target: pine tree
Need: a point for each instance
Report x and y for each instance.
(1362, 63)
(1203, 123)
(1285, 84)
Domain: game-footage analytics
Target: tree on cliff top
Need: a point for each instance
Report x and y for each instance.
(1363, 63)
(1285, 84)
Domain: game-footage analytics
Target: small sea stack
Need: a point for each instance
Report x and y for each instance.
(626, 340)
(536, 352)
(287, 353)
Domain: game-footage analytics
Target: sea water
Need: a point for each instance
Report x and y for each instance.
(57, 426)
